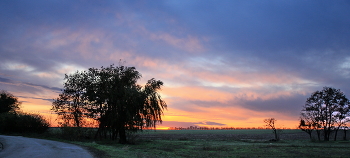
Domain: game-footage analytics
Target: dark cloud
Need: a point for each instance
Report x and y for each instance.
(208, 103)
(30, 87)
(55, 89)
(272, 26)
(45, 99)
(289, 105)
(4, 80)
(183, 104)
(213, 123)
(289, 36)
(188, 124)
(178, 124)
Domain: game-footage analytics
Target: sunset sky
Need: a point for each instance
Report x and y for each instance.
(223, 63)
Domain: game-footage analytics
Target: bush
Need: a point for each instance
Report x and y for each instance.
(131, 137)
(75, 133)
(22, 123)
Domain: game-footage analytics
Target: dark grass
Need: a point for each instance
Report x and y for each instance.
(222, 143)
(208, 148)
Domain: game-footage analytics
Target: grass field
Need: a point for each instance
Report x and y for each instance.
(220, 143)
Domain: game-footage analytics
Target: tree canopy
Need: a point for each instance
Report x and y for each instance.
(111, 96)
(325, 110)
(8, 102)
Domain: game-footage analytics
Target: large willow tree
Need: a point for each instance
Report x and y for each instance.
(111, 96)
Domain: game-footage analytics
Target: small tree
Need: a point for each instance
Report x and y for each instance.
(70, 108)
(270, 123)
(8, 102)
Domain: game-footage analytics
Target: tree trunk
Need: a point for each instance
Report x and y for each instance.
(310, 135)
(122, 136)
(335, 135)
(115, 134)
(318, 135)
(326, 134)
(276, 135)
(98, 131)
(344, 137)
(76, 118)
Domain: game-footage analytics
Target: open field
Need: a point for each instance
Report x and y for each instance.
(221, 143)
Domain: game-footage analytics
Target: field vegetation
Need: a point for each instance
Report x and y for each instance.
(213, 143)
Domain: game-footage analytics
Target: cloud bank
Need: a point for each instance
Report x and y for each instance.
(226, 63)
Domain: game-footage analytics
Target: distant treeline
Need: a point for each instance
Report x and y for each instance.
(216, 128)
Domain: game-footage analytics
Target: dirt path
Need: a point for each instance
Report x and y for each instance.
(17, 146)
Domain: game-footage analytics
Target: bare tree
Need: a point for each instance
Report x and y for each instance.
(270, 123)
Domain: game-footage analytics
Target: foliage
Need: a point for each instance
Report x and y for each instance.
(325, 110)
(8, 102)
(111, 96)
(22, 123)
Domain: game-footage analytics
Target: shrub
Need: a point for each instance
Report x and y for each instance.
(75, 133)
(22, 123)
(131, 137)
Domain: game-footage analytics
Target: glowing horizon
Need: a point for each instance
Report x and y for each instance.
(169, 119)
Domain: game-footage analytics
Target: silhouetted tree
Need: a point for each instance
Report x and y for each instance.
(270, 123)
(306, 127)
(341, 117)
(8, 102)
(71, 103)
(308, 123)
(111, 96)
(327, 109)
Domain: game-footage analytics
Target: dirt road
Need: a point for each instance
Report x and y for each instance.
(22, 147)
